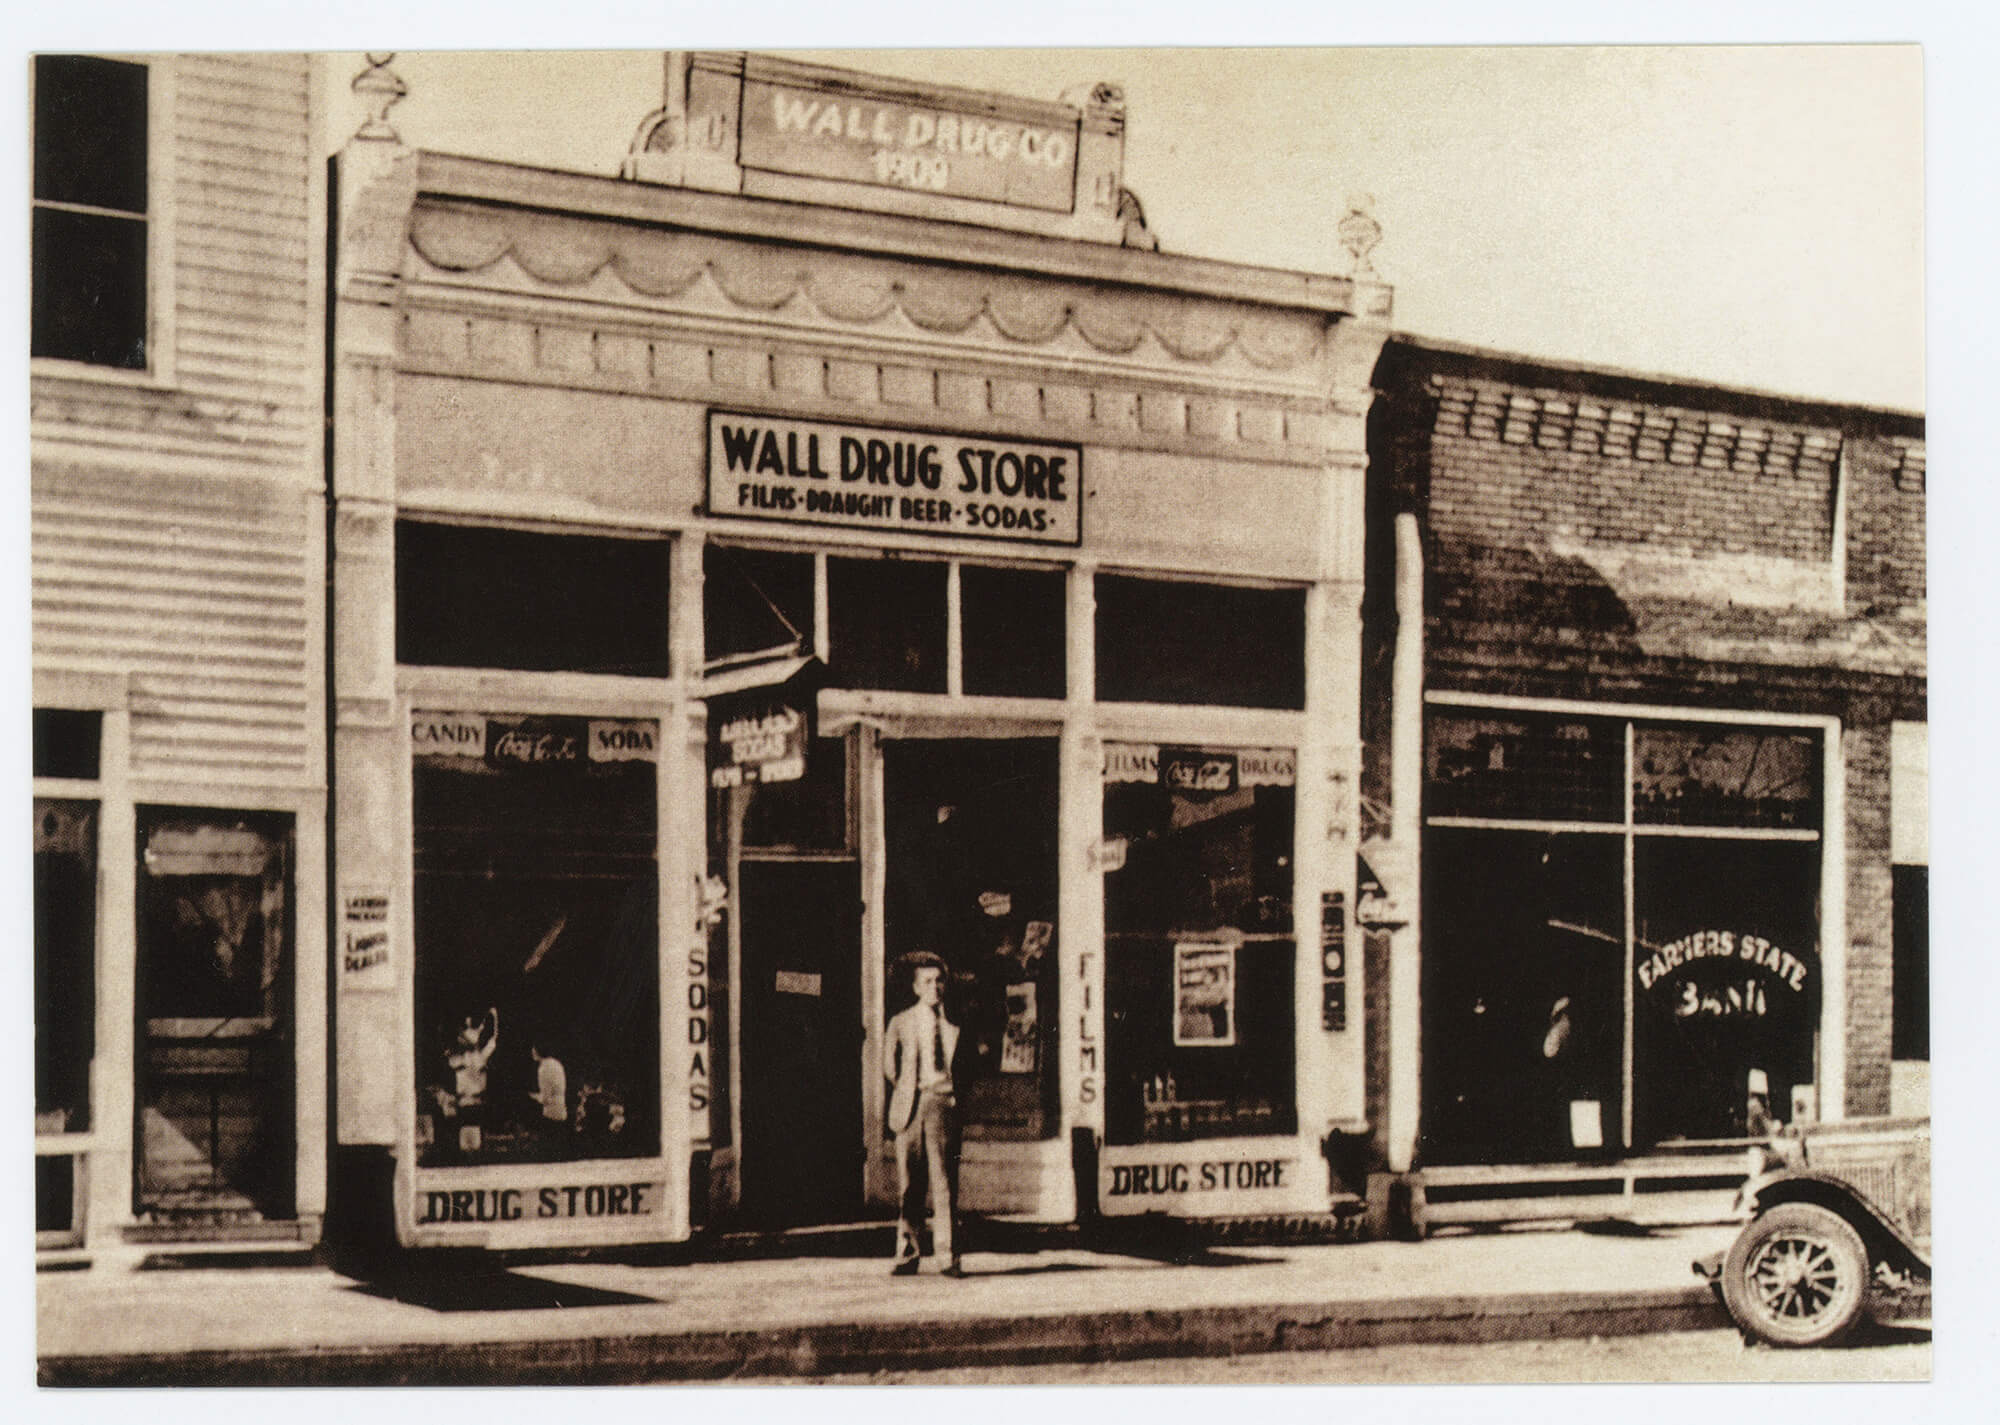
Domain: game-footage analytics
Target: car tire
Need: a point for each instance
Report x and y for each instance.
(1797, 1276)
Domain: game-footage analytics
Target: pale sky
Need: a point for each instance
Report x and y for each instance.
(1751, 216)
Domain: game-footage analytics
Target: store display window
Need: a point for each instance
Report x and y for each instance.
(1200, 960)
(537, 938)
(1621, 931)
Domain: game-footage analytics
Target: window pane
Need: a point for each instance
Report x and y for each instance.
(1164, 641)
(474, 597)
(90, 288)
(887, 624)
(1199, 860)
(90, 132)
(1911, 1035)
(1725, 984)
(55, 1192)
(1011, 629)
(754, 600)
(66, 742)
(537, 929)
(1168, 1086)
(1712, 776)
(65, 963)
(1523, 999)
(809, 814)
(1521, 765)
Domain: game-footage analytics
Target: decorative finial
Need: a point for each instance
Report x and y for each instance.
(1359, 233)
(381, 89)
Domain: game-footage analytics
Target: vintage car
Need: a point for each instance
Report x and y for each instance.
(1839, 1224)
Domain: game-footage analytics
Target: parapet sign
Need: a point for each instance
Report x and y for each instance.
(776, 128)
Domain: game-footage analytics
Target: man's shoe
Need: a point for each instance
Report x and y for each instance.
(907, 1268)
(955, 1269)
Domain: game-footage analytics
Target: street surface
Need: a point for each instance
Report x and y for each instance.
(1901, 1353)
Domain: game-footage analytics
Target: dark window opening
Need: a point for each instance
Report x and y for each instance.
(1012, 631)
(887, 624)
(806, 815)
(475, 597)
(1910, 1035)
(65, 963)
(90, 221)
(55, 1193)
(754, 601)
(1166, 641)
(67, 742)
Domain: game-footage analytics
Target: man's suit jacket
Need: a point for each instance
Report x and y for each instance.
(904, 1061)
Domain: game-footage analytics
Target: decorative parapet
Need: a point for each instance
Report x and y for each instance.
(851, 289)
(1633, 431)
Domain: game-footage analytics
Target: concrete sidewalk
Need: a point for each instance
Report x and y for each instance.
(131, 1323)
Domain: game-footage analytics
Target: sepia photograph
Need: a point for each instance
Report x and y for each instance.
(1172, 714)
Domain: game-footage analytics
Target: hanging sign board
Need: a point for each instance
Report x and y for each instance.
(761, 735)
(852, 136)
(906, 481)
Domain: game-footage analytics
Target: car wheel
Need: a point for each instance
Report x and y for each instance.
(1797, 1276)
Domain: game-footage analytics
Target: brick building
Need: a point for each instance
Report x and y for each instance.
(1648, 791)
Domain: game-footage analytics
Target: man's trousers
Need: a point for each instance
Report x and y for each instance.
(927, 1153)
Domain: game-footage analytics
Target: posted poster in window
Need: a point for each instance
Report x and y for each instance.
(1205, 995)
(1023, 1037)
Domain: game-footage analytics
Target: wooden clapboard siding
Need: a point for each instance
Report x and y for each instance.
(197, 589)
(174, 518)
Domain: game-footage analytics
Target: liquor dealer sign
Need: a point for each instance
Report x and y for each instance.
(911, 482)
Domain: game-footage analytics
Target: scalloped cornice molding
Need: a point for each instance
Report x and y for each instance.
(858, 290)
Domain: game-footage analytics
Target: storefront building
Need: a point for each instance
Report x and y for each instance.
(1646, 800)
(177, 627)
(842, 536)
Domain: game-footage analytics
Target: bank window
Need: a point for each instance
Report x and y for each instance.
(755, 601)
(1910, 1032)
(1199, 956)
(91, 211)
(473, 596)
(1528, 766)
(1012, 626)
(537, 938)
(887, 622)
(1621, 922)
(1723, 776)
(1174, 641)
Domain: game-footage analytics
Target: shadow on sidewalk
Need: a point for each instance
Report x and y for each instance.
(500, 1290)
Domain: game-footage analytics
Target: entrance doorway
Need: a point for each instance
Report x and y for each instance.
(972, 876)
(214, 1078)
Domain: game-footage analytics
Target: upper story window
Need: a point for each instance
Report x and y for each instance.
(91, 211)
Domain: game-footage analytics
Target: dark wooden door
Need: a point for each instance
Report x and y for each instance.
(802, 1150)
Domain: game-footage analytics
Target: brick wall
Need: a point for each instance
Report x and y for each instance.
(1870, 929)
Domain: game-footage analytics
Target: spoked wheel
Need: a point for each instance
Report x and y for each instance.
(1797, 1276)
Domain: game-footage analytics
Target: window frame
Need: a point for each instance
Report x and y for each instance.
(161, 94)
(1830, 836)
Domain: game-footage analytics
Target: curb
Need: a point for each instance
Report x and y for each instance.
(857, 1348)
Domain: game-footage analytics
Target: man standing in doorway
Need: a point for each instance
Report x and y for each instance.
(923, 1117)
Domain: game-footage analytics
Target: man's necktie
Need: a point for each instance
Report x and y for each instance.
(937, 1043)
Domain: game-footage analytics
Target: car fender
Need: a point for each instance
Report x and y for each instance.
(1884, 1235)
